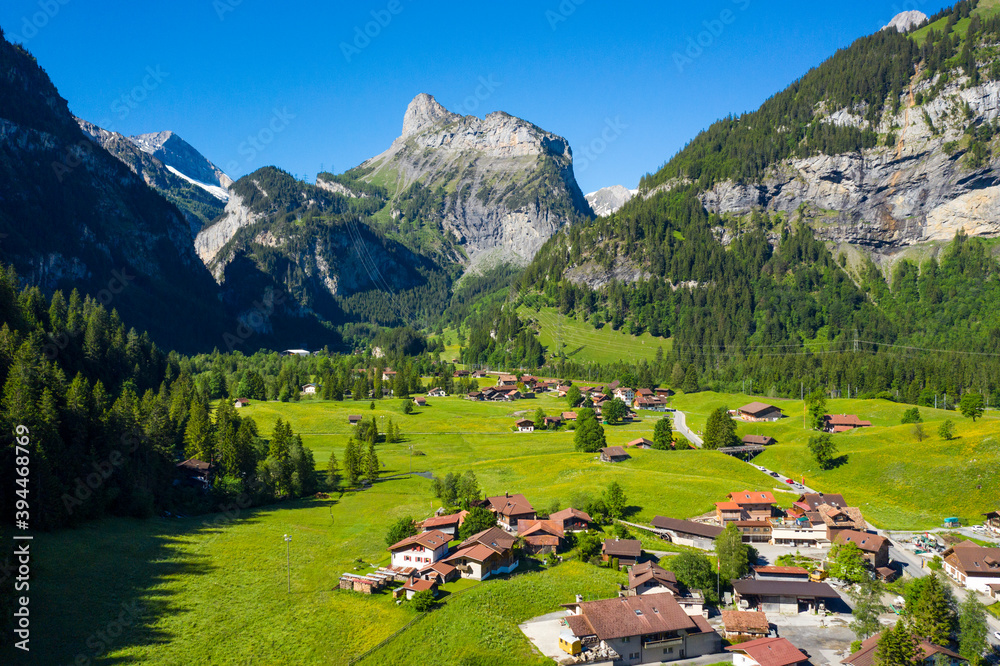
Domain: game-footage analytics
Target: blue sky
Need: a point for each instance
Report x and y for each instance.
(627, 83)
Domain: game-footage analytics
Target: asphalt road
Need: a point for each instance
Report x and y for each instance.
(680, 425)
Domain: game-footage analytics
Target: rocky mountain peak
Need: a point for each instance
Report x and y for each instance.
(175, 152)
(608, 200)
(425, 113)
(905, 21)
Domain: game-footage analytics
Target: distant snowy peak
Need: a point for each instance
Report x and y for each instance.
(906, 21)
(609, 200)
(175, 152)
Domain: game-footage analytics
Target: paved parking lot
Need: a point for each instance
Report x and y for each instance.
(826, 645)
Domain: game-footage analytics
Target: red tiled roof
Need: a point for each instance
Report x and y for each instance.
(770, 651)
(642, 441)
(453, 519)
(728, 506)
(566, 514)
(631, 616)
(866, 655)
(431, 540)
(418, 585)
(850, 420)
(869, 543)
(752, 497)
(477, 553)
(510, 505)
(530, 527)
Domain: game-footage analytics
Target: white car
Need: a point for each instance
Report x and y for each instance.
(996, 635)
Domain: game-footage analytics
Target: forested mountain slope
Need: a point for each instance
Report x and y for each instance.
(71, 215)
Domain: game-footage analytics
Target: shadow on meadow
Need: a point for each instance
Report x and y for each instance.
(102, 587)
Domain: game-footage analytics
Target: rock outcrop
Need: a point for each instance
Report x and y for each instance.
(510, 184)
(906, 21)
(923, 188)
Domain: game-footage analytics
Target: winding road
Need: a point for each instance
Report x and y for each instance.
(680, 425)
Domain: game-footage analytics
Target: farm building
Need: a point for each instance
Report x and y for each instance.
(509, 509)
(875, 548)
(572, 520)
(758, 440)
(782, 596)
(614, 454)
(524, 425)
(420, 549)
(759, 411)
(688, 533)
(972, 566)
(843, 422)
(651, 578)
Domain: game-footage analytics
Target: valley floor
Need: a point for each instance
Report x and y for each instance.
(213, 589)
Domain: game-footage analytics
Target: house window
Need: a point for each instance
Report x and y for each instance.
(633, 655)
(626, 639)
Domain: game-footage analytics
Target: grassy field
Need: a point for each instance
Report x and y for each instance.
(584, 344)
(217, 589)
(898, 482)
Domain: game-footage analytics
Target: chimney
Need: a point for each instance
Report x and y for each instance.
(579, 598)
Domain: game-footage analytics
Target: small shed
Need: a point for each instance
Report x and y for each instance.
(354, 419)
(614, 454)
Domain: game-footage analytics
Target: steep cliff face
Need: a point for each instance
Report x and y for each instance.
(189, 181)
(925, 186)
(508, 184)
(71, 215)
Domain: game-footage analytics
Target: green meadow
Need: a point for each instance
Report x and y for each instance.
(213, 588)
(582, 343)
(896, 480)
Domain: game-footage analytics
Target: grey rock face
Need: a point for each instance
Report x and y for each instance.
(888, 197)
(905, 21)
(608, 200)
(511, 184)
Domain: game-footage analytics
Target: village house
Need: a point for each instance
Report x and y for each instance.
(461, 373)
(875, 548)
(552, 421)
(506, 381)
(524, 425)
(479, 374)
(625, 394)
(728, 512)
(641, 629)
(420, 549)
(309, 389)
(436, 392)
(440, 572)
(757, 412)
(388, 375)
(475, 395)
(614, 454)
(486, 554)
(758, 440)
(755, 505)
(569, 416)
(929, 654)
(688, 533)
(641, 443)
(420, 401)
(806, 531)
(745, 625)
(572, 520)
(541, 537)
(651, 404)
(529, 381)
(196, 473)
(973, 567)
(354, 419)
(449, 524)
(782, 596)
(240, 403)
(754, 531)
(627, 551)
(509, 509)
(651, 578)
(843, 422)
(664, 393)
(767, 652)
(415, 585)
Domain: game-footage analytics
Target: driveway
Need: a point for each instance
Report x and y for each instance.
(543, 632)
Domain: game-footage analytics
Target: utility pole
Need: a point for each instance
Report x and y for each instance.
(288, 561)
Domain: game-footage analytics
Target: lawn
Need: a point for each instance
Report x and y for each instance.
(898, 482)
(582, 343)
